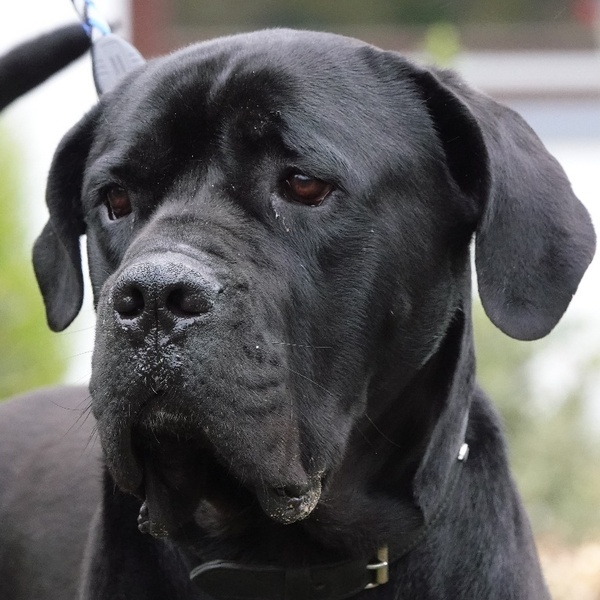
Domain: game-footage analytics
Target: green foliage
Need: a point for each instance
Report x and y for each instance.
(31, 356)
(554, 453)
(442, 44)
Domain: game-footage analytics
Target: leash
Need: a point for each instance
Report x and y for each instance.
(224, 580)
(112, 56)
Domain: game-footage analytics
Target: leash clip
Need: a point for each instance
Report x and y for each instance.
(380, 568)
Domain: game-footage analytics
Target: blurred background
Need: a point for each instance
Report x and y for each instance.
(542, 57)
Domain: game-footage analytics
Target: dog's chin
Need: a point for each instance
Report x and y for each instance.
(173, 494)
(285, 506)
(174, 476)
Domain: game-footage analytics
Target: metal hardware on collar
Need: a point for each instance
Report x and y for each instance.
(381, 569)
(463, 453)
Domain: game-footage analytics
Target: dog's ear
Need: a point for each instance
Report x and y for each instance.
(56, 254)
(534, 239)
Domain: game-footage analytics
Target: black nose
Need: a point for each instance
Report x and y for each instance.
(162, 293)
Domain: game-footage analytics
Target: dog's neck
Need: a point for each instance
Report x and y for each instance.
(389, 484)
(397, 468)
(410, 445)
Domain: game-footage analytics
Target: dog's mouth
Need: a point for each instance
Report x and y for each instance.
(176, 474)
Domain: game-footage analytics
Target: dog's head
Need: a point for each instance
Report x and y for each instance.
(278, 231)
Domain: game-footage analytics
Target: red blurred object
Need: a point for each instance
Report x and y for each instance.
(150, 22)
(587, 11)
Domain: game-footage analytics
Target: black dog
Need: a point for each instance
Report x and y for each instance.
(278, 228)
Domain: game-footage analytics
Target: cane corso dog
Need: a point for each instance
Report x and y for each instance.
(283, 383)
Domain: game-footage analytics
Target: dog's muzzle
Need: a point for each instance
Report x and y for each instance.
(179, 399)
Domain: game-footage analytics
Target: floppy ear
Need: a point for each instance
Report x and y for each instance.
(534, 239)
(56, 255)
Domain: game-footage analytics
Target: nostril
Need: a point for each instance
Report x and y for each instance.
(185, 303)
(129, 303)
(293, 492)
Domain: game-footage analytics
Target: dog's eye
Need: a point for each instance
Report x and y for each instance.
(307, 190)
(117, 202)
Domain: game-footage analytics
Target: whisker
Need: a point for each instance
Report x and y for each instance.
(362, 433)
(385, 437)
(81, 354)
(65, 407)
(300, 345)
(311, 381)
(76, 331)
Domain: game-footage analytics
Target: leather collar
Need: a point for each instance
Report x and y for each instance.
(335, 581)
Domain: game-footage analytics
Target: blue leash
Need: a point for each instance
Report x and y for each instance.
(94, 24)
(112, 56)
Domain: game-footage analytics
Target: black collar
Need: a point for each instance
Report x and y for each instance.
(334, 581)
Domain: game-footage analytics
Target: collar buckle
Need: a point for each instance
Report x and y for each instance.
(379, 569)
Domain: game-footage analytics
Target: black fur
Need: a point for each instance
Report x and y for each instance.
(254, 354)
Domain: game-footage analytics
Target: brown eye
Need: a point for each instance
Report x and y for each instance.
(117, 202)
(307, 190)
